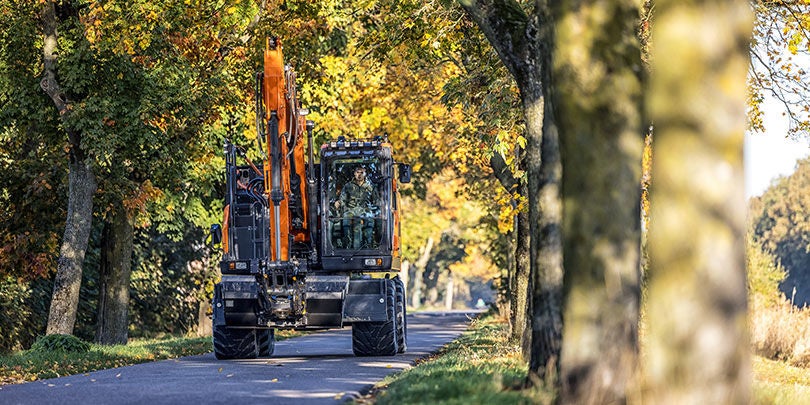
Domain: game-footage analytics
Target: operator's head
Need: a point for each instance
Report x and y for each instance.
(359, 173)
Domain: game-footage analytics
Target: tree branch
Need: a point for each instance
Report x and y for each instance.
(49, 83)
(501, 171)
(496, 18)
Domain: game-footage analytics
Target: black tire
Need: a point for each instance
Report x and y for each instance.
(232, 343)
(266, 339)
(402, 320)
(378, 338)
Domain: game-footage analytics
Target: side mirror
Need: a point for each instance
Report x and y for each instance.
(216, 234)
(404, 173)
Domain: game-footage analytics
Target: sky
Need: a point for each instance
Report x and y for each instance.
(770, 155)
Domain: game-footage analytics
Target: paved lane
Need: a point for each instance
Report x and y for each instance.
(314, 369)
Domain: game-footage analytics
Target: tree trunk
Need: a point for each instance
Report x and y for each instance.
(418, 278)
(432, 286)
(449, 291)
(545, 221)
(597, 95)
(544, 171)
(508, 300)
(116, 265)
(697, 349)
(65, 299)
(81, 186)
(416, 293)
(513, 299)
(404, 273)
(204, 322)
(524, 44)
(522, 330)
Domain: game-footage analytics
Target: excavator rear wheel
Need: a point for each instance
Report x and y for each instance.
(232, 343)
(266, 339)
(378, 338)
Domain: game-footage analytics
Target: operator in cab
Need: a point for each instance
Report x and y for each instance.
(358, 204)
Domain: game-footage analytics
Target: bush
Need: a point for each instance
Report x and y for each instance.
(782, 332)
(24, 305)
(764, 275)
(779, 330)
(60, 343)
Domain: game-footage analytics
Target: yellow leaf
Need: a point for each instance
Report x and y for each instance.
(793, 48)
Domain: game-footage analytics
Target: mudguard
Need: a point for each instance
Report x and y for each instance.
(365, 301)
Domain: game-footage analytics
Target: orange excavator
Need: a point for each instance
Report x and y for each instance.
(307, 245)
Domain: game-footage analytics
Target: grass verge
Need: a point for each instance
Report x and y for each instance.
(33, 365)
(483, 367)
(480, 367)
(777, 382)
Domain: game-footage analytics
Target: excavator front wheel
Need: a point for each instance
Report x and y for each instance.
(378, 338)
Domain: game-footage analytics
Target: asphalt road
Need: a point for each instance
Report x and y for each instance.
(314, 369)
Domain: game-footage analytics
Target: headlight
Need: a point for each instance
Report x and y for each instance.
(373, 262)
(241, 265)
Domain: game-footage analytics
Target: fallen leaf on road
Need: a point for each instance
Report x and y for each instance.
(388, 366)
(274, 380)
(220, 369)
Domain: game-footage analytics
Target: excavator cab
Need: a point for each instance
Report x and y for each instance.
(361, 218)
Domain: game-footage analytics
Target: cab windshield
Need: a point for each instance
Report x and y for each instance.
(355, 218)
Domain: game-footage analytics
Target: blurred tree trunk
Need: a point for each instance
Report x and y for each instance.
(404, 273)
(418, 278)
(431, 281)
(114, 272)
(82, 186)
(449, 292)
(697, 350)
(598, 100)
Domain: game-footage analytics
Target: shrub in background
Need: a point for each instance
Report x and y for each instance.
(779, 330)
(60, 343)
